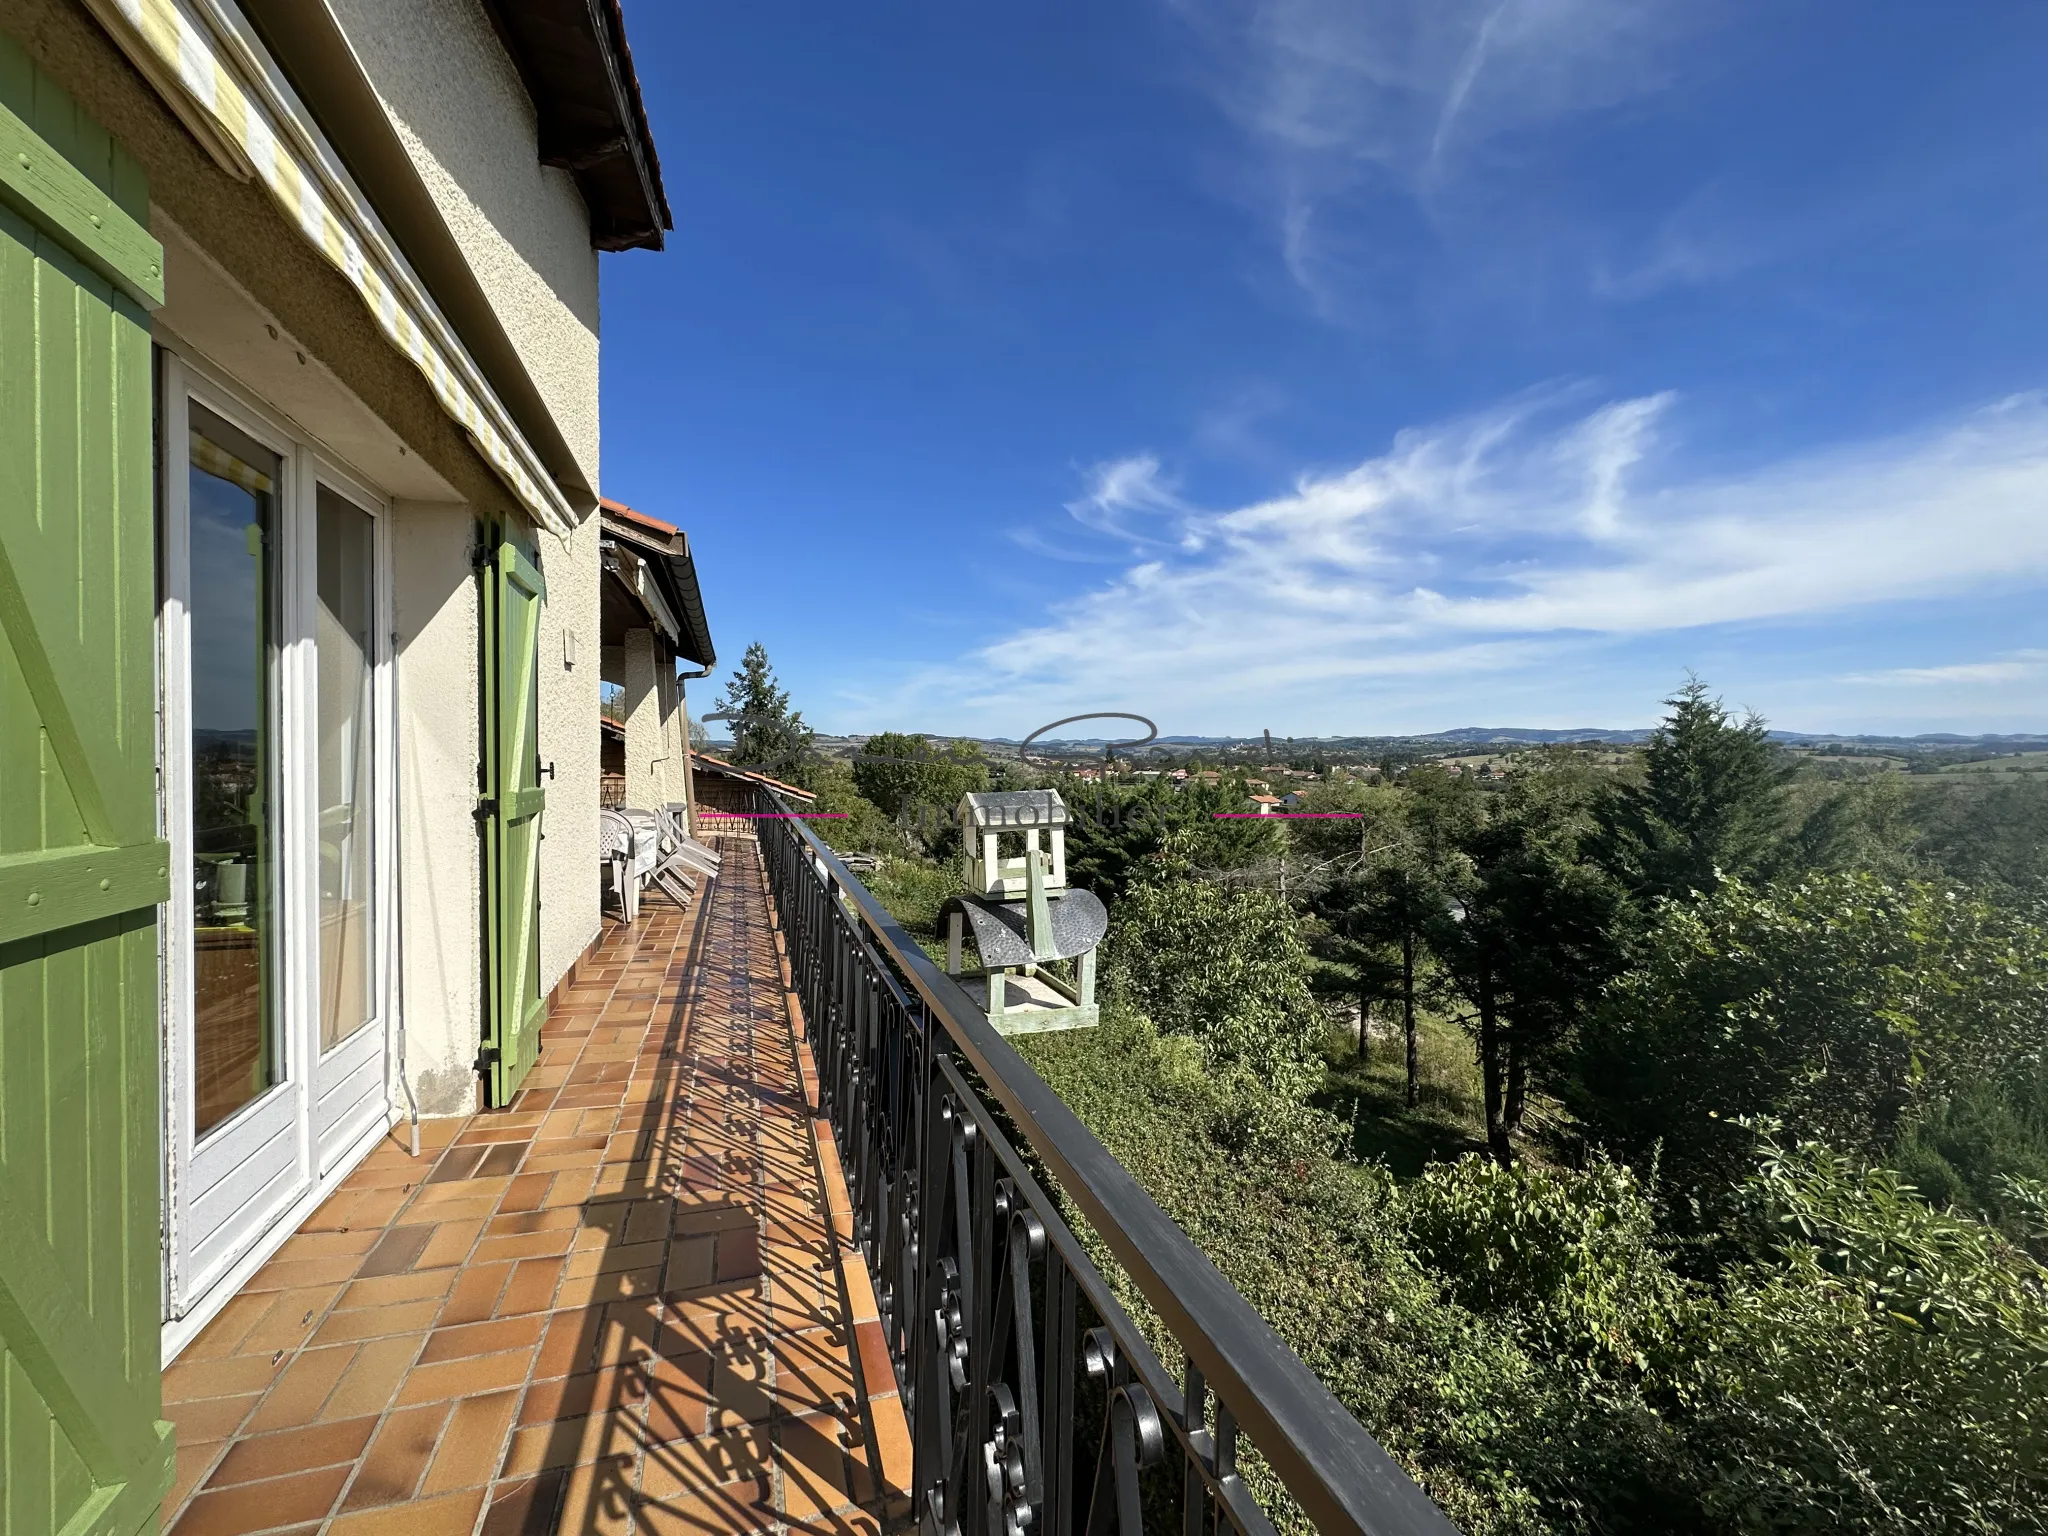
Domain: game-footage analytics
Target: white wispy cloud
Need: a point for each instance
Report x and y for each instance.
(1508, 542)
(2019, 666)
(1347, 98)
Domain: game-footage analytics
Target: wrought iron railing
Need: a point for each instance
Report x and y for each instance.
(1035, 1402)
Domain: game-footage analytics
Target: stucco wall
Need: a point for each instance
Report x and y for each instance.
(569, 739)
(441, 894)
(522, 225)
(552, 313)
(238, 226)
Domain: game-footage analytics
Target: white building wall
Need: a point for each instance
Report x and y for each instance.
(458, 105)
(569, 669)
(440, 873)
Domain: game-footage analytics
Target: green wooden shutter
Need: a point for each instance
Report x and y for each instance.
(513, 592)
(81, 869)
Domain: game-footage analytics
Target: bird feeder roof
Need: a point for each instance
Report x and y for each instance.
(1003, 810)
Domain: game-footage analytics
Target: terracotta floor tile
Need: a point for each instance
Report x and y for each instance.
(213, 1418)
(877, 1368)
(451, 1243)
(452, 1514)
(473, 1445)
(563, 1443)
(193, 1463)
(532, 1287)
(712, 1461)
(595, 1261)
(396, 1251)
(525, 1193)
(613, 1389)
(474, 1298)
(840, 1522)
(217, 1376)
(378, 1368)
(860, 1290)
(377, 1322)
(465, 1378)
(525, 1507)
(397, 1457)
(317, 1243)
(691, 1264)
(389, 1289)
(260, 1506)
(455, 1202)
(290, 1274)
(235, 1319)
(525, 1245)
(732, 1510)
(598, 1496)
(303, 1389)
(890, 1442)
(472, 1339)
(812, 1371)
(569, 1345)
(811, 1452)
(528, 1220)
(595, 1290)
(292, 1450)
(678, 1397)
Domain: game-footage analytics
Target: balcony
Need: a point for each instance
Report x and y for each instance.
(622, 1305)
(646, 1298)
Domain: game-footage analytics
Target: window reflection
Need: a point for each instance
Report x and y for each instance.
(233, 484)
(344, 645)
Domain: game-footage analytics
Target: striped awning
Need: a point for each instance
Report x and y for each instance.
(187, 47)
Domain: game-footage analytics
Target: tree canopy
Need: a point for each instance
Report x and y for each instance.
(767, 735)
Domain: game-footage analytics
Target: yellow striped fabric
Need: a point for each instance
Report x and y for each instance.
(185, 47)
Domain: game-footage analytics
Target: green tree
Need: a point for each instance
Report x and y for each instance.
(907, 776)
(767, 735)
(1119, 831)
(1709, 801)
(858, 825)
(1996, 838)
(1531, 934)
(1225, 968)
(1839, 1005)
(1389, 882)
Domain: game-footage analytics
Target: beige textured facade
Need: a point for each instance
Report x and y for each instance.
(569, 885)
(521, 225)
(260, 329)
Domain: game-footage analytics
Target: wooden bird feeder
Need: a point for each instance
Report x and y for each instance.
(1034, 939)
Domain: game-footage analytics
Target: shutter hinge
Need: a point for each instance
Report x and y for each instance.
(486, 1058)
(486, 808)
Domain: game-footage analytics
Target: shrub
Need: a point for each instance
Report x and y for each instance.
(1569, 1260)
(1227, 969)
(1883, 1367)
(1837, 1004)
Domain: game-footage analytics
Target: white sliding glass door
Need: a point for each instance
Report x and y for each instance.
(349, 1083)
(273, 746)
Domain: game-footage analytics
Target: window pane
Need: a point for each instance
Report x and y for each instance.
(346, 647)
(233, 482)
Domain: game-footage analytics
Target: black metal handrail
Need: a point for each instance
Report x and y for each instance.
(987, 1295)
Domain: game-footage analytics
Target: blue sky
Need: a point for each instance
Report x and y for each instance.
(1350, 366)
